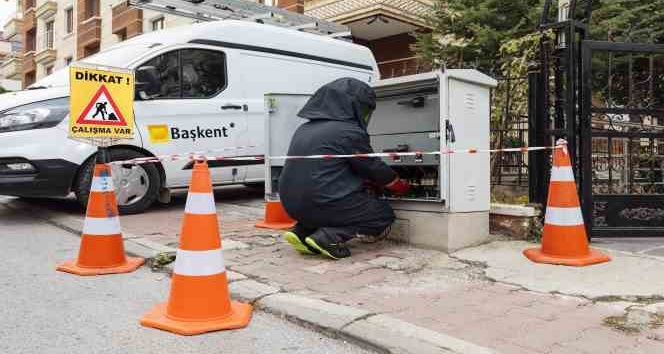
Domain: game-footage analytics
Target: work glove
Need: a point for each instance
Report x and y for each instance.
(399, 187)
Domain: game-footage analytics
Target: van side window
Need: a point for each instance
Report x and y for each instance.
(160, 76)
(190, 73)
(203, 73)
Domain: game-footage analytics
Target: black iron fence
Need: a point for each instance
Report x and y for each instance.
(509, 128)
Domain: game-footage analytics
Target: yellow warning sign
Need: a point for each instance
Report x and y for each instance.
(101, 103)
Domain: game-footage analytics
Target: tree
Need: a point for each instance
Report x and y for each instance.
(471, 32)
(628, 21)
(3, 90)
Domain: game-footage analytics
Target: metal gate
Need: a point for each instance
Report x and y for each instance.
(622, 138)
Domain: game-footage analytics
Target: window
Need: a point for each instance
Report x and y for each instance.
(158, 24)
(203, 73)
(191, 73)
(49, 70)
(48, 35)
(68, 61)
(69, 20)
(91, 8)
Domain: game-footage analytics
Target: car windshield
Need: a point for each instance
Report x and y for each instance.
(117, 56)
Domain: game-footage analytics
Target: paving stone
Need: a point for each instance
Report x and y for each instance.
(321, 313)
(397, 336)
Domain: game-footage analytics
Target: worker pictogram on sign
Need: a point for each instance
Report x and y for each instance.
(101, 104)
(102, 110)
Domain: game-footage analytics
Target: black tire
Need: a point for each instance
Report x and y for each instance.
(84, 179)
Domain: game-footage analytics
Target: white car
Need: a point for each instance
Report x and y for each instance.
(198, 87)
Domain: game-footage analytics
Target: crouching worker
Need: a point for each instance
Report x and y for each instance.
(329, 197)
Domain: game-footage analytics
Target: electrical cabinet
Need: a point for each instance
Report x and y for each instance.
(448, 205)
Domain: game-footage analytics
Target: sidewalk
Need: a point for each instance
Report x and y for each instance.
(394, 297)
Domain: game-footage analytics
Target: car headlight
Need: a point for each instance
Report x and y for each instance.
(38, 115)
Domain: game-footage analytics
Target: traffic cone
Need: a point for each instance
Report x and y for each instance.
(564, 240)
(199, 300)
(101, 250)
(276, 217)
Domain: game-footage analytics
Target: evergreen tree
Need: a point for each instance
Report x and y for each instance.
(471, 32)
(628, 21)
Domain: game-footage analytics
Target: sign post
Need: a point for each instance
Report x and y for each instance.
(101, 106)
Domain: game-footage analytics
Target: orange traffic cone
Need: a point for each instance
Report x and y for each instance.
(564, 240)
(101, 250)
(199, 300)
(276, 217)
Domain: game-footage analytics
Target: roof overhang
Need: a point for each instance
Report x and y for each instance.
(373, 19)
(346, 11)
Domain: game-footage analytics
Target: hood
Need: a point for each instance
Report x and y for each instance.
(19, 98)
(342, 100)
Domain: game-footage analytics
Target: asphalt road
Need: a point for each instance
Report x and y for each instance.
(44, 311)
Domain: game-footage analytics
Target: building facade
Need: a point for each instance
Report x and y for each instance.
(11, 51)
(57, 32)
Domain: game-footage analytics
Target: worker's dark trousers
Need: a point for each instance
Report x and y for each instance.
(362, 214)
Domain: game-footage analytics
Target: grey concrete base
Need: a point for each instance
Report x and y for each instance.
(441, 231)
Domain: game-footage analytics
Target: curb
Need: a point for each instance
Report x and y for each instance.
(379, 332)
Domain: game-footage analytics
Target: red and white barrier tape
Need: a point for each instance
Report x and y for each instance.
(199, 156)
(174, 157)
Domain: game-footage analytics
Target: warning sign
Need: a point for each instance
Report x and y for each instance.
(101, 103)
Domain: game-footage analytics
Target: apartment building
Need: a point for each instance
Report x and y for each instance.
(56, 32)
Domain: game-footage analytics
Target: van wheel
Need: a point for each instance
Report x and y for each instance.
(136, 186)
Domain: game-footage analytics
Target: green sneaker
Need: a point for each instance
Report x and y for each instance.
(321, 243)
(298, 244)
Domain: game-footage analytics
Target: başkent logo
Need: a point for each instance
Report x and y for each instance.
(200, 133)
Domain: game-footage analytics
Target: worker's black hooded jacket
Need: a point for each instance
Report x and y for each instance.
(335, 127)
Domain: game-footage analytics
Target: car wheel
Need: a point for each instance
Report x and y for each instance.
(136, 186)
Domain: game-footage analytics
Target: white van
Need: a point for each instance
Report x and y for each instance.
(201, 84)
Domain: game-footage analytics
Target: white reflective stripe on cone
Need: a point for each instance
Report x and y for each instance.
(102, 184)
(199, 263)
(102, 226)
(562, 174)
(563, 216)
(200, 203)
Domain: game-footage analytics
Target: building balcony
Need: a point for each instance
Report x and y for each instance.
(400, 67)
(46, 52)
(46, 55)
(127, 20)
(89, 32)
(12, 68)
(28, 63)
(46, 9)
(13, 29)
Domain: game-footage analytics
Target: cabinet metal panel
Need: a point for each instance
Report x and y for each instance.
(407, 113)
